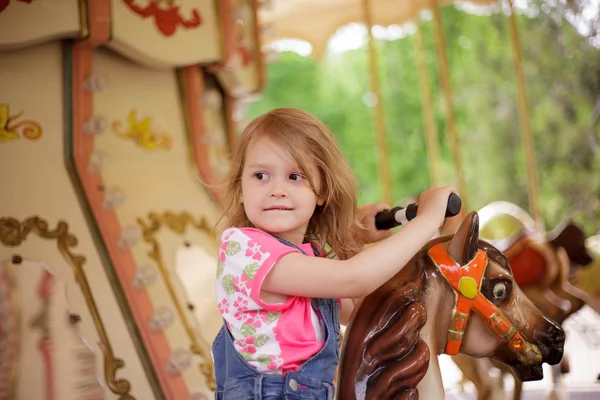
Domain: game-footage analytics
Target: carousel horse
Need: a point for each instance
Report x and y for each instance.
(542, 266)
(395, 334)
(542, 263)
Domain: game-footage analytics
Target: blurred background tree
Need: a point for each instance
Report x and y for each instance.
(561, 62)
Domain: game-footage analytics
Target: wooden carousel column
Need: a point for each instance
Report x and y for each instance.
(380, 134)
(80, 112)
(532, 185)
(448, 102)
(433, 150)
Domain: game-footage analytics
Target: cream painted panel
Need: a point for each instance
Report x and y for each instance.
(149, 162)
(23, 23)
(157, 34)
(35, 182)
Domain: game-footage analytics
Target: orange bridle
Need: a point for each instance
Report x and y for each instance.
(466, 283)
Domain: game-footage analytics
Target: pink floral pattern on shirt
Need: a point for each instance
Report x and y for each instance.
(241, 257)
(236, 305)
(254, 250)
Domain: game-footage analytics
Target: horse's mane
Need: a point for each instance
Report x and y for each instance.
(384, 356)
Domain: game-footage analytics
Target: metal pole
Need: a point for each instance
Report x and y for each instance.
(449, 106)
(533, 194)
(433, 150)
(380, 135)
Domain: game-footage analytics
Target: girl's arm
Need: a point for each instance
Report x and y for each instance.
(298, 275)
(370, 234)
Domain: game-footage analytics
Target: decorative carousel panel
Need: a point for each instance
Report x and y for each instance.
(26, 22)
(133, 160)
(42, 220)
(243, 72)
(167, 33)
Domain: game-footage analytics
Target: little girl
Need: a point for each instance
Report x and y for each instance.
(293, 249)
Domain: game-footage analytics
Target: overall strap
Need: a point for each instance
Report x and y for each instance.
(283, 241)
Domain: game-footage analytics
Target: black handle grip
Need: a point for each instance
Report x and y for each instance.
(387, 219)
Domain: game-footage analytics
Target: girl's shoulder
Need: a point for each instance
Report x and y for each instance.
(249, 236)
(255, 238)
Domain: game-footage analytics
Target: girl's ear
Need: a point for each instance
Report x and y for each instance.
(320, 201)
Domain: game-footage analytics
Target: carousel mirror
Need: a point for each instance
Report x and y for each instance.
(195, 270)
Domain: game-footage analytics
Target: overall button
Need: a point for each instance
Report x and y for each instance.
(293, 384)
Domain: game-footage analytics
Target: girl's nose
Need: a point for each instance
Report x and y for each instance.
(278, 194)
(278, 190)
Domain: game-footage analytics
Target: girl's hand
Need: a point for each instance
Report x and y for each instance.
(433, 203)
(366, 214)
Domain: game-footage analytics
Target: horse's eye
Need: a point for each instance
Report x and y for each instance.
(500, 291)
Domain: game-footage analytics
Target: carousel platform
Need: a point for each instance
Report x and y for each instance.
(581, 383)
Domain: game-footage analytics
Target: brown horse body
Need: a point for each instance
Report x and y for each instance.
(396, 332)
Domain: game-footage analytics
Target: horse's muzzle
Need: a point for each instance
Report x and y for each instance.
(527, 373)
(551, 341)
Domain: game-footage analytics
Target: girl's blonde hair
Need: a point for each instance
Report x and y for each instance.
(334, 224)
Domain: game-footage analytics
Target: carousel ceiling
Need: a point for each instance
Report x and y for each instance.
(315, 21)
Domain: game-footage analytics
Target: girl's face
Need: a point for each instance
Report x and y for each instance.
(277, 196)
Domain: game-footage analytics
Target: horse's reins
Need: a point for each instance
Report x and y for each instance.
(466, 282)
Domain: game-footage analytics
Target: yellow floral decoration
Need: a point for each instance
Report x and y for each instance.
(141, 133)
(12, 130)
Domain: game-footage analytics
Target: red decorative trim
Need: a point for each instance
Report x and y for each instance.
(167, 19)
(193, 82)
(99, 15)
(227, 31)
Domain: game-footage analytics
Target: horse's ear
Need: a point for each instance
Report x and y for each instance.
(463, 246)
(572, 238)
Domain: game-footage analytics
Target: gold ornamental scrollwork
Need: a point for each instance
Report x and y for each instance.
(178, 223)
(13, 233)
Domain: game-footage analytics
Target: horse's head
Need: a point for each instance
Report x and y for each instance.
(501, 322)
(456, 294)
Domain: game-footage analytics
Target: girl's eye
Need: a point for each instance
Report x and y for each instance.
(295, 177)
(261, 176)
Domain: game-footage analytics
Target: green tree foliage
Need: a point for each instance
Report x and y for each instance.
(562, 83)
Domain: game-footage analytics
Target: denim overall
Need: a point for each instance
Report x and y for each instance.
(237, 380)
